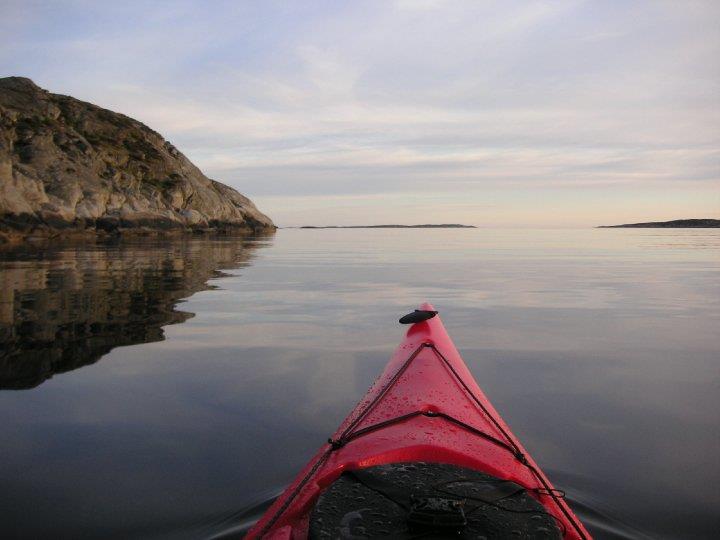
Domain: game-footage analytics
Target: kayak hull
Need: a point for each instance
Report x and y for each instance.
(424, 407)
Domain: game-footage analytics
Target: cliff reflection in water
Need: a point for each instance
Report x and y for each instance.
(64, 307)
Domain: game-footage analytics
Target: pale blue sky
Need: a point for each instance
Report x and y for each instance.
(560, 113)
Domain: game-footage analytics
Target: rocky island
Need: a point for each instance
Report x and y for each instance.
(69, 167)
(675, 224)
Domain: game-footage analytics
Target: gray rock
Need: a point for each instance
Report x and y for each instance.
(67, 165)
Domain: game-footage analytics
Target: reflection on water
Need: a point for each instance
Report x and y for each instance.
(599, 347)
(64, 308)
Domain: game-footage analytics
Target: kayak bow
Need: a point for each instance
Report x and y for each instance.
(430, 456)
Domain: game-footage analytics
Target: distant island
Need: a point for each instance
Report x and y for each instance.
(426, 226)
(675, 224)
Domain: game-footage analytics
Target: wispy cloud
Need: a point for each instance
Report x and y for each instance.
(434, 98)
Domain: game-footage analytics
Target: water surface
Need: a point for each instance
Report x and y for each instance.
(165, 388)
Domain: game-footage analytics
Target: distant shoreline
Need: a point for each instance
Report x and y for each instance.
(674, 224)
(426, 226)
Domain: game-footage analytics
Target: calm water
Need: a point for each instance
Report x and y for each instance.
(168, 389)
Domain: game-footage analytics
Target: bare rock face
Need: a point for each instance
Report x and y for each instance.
(67, 165)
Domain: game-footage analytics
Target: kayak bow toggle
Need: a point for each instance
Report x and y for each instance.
(419, 315)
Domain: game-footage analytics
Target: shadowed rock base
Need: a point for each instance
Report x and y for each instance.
(27, 227)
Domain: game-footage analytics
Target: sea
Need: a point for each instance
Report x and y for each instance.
(172, 387)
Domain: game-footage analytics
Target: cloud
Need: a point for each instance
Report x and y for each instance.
(347, 99)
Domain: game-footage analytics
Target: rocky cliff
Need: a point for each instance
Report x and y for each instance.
(70, 166)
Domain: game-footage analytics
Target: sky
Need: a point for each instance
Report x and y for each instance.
(525, 114)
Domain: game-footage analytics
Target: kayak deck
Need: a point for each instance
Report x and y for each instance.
(401, 500)
(425, 407)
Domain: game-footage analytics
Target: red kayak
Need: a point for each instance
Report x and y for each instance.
(423, 455)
